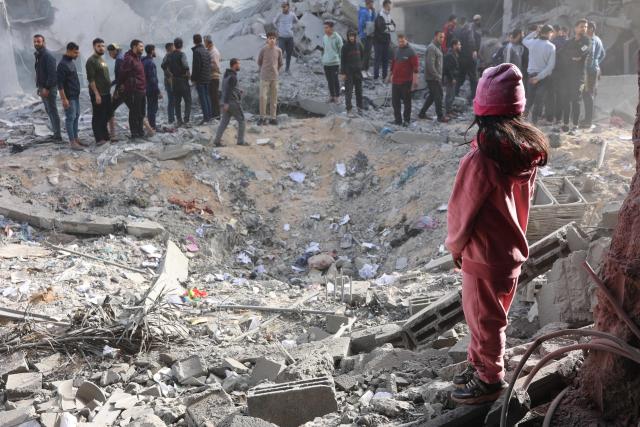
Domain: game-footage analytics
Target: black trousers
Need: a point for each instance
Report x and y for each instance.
(331, 73)
(101, 115)
(136, 103)
(366, 57)
(353, 81)
(468, 70)
(536, 98)
(214, 93)
(589, 95)
(401, 96)
(571, 97)
(182, 92)
(286, 44)
(152, 109)
(435, 95)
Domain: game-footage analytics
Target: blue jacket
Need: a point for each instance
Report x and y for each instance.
(365, 15)
(151, 75)
(46, 76)
(599, 54)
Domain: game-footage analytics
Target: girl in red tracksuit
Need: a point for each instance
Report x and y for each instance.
(487, 223)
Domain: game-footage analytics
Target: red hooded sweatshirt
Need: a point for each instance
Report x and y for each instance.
(487, 217)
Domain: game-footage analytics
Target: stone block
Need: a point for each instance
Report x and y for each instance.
(242, 421)
(433, 320)
(17, 417)
(335, 322)
(319, 108)
(442, 263)
(366, 340)
(192, 367)
(23, 385)
(14, 363)
(346, 382)
(210, 408)
(448, 372)
(266, 369)
(610, 214)
(235, 366)
(294, 403)
(458, 352)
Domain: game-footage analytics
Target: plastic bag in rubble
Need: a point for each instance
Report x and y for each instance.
(425, 223)
(67, 420)
(341, 169)
(368, 271)
(387, 279)
(297, 177)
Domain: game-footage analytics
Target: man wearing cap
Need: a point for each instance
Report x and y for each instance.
(471, 39)
(284, 23)
(542, 61)
(366, 27)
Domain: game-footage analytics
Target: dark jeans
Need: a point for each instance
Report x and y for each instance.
(71, 118)
(205, 100)
(571, 97)
(468, 70)
(101, 116)
(435, 95)
(135, 102)
(450, 96)
(51, 108)
(171, 108)
(235, 111)
(366, 56)
(331, 72)
(401, 95)
(382, 55)
(182, 92)
(536, 98)
(286, 44)
(152, 109)
(353, 81)
(214, 94)
(555, 94)
(589, 94)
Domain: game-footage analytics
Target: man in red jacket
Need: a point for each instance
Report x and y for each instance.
(404, 79)
(133, 85)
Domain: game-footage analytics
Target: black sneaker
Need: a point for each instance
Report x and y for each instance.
(422, 116)
(477, 392)
(406, 124)
(260, 121)
(465, 376)
(273, 122)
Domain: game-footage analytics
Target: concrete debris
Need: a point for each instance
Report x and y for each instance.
(15, 363)
(266, 369)
(17, 417)
(434, 319)
(212, 406)
(294, 403)
(193, 367)
(23, 385)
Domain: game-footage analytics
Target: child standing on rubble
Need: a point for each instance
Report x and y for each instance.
(487, 223)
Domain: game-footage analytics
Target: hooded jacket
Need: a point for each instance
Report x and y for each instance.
(230, 90)
(201, 71)
(366, 18)
(151, 75)
(487, 217)
(351, 57)
(46, 69)
(131, 75)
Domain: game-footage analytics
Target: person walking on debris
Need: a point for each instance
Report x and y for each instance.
(269, 63)
(471, 39)
(231, 104)
(514, 52)
(573, 59)
(99, 92)
(168, 83)
(598, 54)
(555, 101)
(284, 23)
(201, 75)
(214, 85)
(69, 88)
(383, 27)
(450, 72)
(448, 30)
(487, 223)
(46, 82)
(179, 69)
(332, 45)
(153, 89)
(115, 52)
(542, 61)
(433, 76)
(404, 79)
(366, 29)
(133, 86)
(351, 60)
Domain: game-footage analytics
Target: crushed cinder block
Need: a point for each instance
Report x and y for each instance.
(440, 264)
(433, 320)
(335, 322)
(154, 391)
(365, 340)
(191, 367)
(16, 417)
(49, 364)
(447, 339)
(294, 403)
(266, 369)
(209, 408)
(418, 303)
(346, 382)
(14, 363)
(23, 385)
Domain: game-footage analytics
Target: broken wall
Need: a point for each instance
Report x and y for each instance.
(9, 81)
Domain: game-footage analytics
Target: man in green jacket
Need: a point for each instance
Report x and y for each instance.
(332, 43)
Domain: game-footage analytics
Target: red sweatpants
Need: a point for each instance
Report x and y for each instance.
(486, 304)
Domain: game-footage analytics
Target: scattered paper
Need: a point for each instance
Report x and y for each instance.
(244, 258)
(312, 248)
(286, 227)
(263, 141)
(368, 271)
(443, 208)
(345, 219)
(297, 177)
(341, 169)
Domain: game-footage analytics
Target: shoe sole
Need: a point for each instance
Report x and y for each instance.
(487, 398)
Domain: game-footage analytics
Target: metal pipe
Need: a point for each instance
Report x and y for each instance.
(269, 309)
(552, 408)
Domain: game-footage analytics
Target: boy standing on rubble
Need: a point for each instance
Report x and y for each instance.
(351, 70)
(332, 44)
(270, 63)
(487, 222)
(231, 104)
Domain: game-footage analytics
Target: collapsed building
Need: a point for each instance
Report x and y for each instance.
(301, 281)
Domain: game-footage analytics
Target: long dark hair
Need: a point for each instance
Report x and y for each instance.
(513, 143)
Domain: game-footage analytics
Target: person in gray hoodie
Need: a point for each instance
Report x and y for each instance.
(284, 23)
(231, 103)
(433, 76)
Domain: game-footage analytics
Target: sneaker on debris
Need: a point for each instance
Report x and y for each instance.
(465, 376)
(477, 391)
(273, 122)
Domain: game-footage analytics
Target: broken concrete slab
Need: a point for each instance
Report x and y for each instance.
(211, 407)
(90, 225)
(243, 421)
(23, 251)
(406, 137)
(458, 352)
(610, 214)
(50, 364)
(337, 348)
(312, 32)
(191, 367)
(433, 320)
(232, 364)
(294, 403)
(390, 407)
(346, 382)
(17, 417)
(15, 363)
(335, 322)
(23, 385)
(266, 369)
(319, 108)
(177, 152)
(365, 340)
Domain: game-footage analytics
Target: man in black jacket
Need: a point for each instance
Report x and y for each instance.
(231, 104)
(178, 67)
(46, 81)
(351, 70)
(450, 73)
(69, 89)
(471, 42)
(383, 28)
(201, 75)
